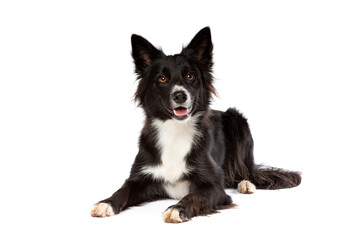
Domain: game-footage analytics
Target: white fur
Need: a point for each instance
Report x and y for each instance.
(102, 210)
(177, 190)
(246, 187)
(174, 140)
(172, 215)
(188, 101)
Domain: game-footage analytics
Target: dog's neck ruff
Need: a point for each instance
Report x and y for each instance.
(174, 141)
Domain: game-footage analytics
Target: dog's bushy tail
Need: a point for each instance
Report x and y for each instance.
(274, 178)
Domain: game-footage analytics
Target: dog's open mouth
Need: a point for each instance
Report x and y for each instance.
(181, 111)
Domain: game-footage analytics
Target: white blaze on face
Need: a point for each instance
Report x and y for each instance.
(184, 108)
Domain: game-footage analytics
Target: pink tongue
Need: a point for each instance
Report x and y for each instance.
(180, 111)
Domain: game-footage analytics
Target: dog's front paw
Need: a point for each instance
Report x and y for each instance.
(174, 214)
(102, 210)
(246, 187)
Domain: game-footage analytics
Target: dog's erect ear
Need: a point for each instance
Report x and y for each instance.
(201, 47)
(143, 53)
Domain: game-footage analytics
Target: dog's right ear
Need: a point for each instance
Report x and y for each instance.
(143, 53)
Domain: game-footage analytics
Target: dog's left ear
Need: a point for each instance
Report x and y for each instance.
(201, 47)
(143, 53)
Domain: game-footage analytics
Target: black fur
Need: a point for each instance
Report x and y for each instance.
(220, 158)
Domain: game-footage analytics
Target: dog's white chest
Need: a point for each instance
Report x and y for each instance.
(177, 190)
(174, 140)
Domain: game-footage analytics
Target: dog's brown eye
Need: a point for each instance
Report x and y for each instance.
(190, 76)
(162, 79)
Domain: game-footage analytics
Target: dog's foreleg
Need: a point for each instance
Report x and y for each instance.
(203, 201)
(130, 194)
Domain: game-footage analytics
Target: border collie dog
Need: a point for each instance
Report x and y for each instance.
(188, 151)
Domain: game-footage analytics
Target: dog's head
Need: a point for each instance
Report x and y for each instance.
(175, 86)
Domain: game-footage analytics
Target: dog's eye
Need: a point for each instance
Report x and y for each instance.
(190, 77)
(162, 79)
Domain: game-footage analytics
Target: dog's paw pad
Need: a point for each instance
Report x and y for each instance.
(246, 187)
(172, 215)
(102, 210)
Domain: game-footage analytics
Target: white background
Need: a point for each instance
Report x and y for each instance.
(68, 128)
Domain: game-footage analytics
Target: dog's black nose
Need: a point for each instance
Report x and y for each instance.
(179, 97)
